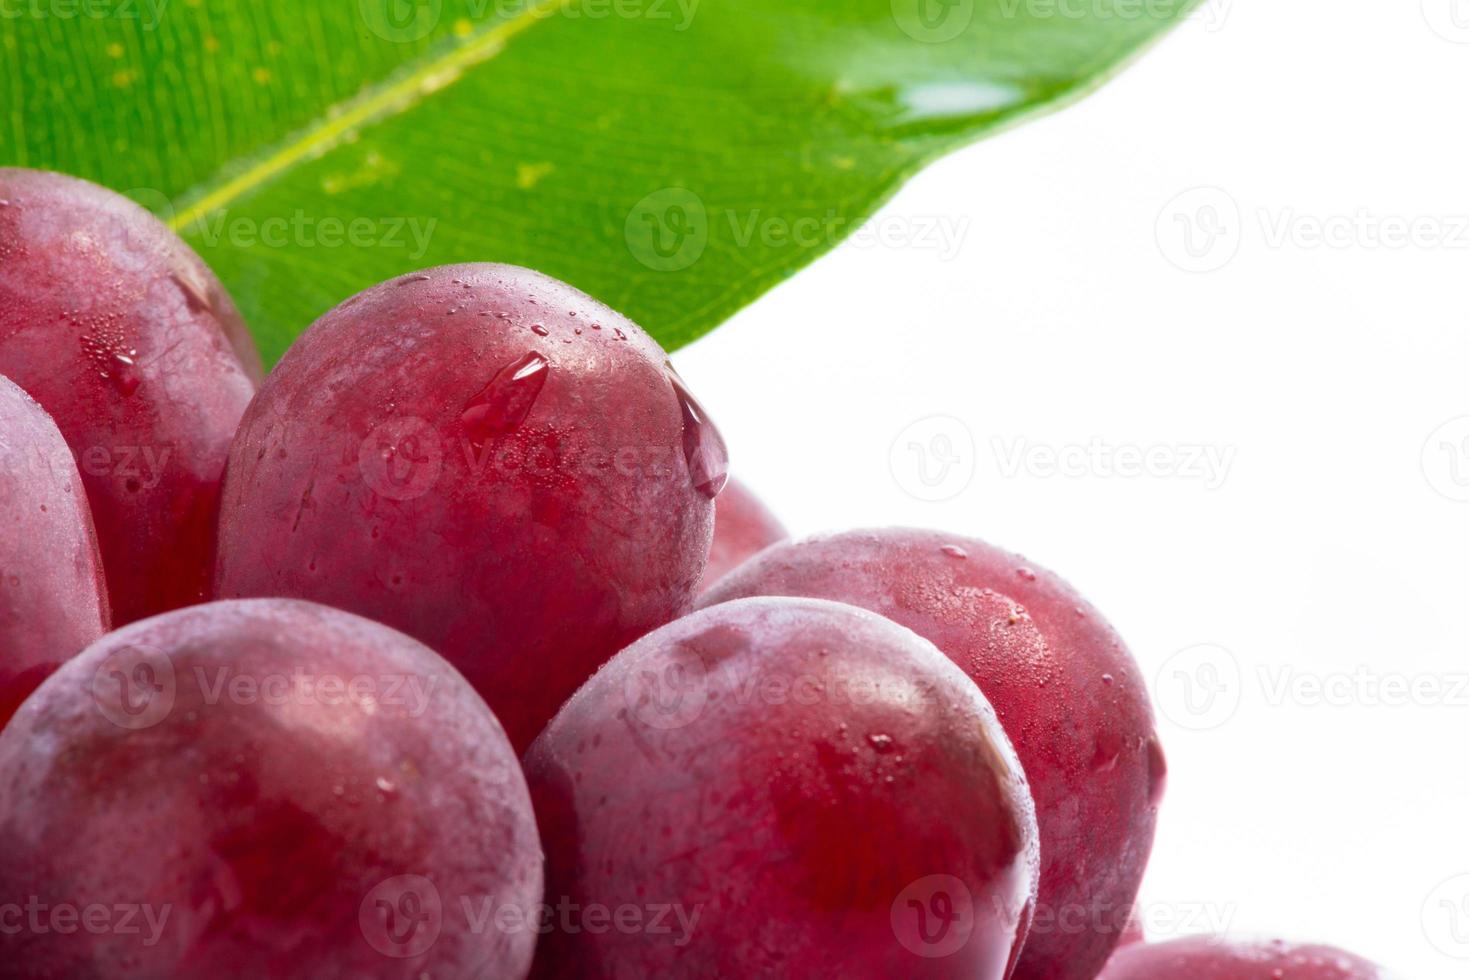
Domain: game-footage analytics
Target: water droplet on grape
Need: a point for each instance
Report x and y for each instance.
(1026, 574)
(881, 743)
(116, 361)
(196, 293)
(505, 402)
(954, 551)
(1157, 772)
(1107, 678)
(703, 446)
(539, 330)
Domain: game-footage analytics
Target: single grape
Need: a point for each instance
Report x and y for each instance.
(782, 787)
(53, 600)
(488, 460)
(124, 336)
(263, 788)
(1070, 696)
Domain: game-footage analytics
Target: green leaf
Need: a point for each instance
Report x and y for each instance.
(675, 158)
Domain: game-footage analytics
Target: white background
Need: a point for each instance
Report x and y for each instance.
(1329, 551)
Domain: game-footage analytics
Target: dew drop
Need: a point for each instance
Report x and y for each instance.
(196, 293)
(539, 330)
(1107, 678)
(954, 551)
(703, 446)
(620, 334)
(1026, 574)
(504, 403)
(125, 375)
(1157, 772)
(881, 743)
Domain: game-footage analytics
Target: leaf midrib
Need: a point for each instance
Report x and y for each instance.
(372, 106)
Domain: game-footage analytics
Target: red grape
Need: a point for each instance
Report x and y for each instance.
(262, 788)
(124, 336)
(53, 600)
(742, 526)
(488, 460)
(1215, 958)
(1069, 694)
(801, 788)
